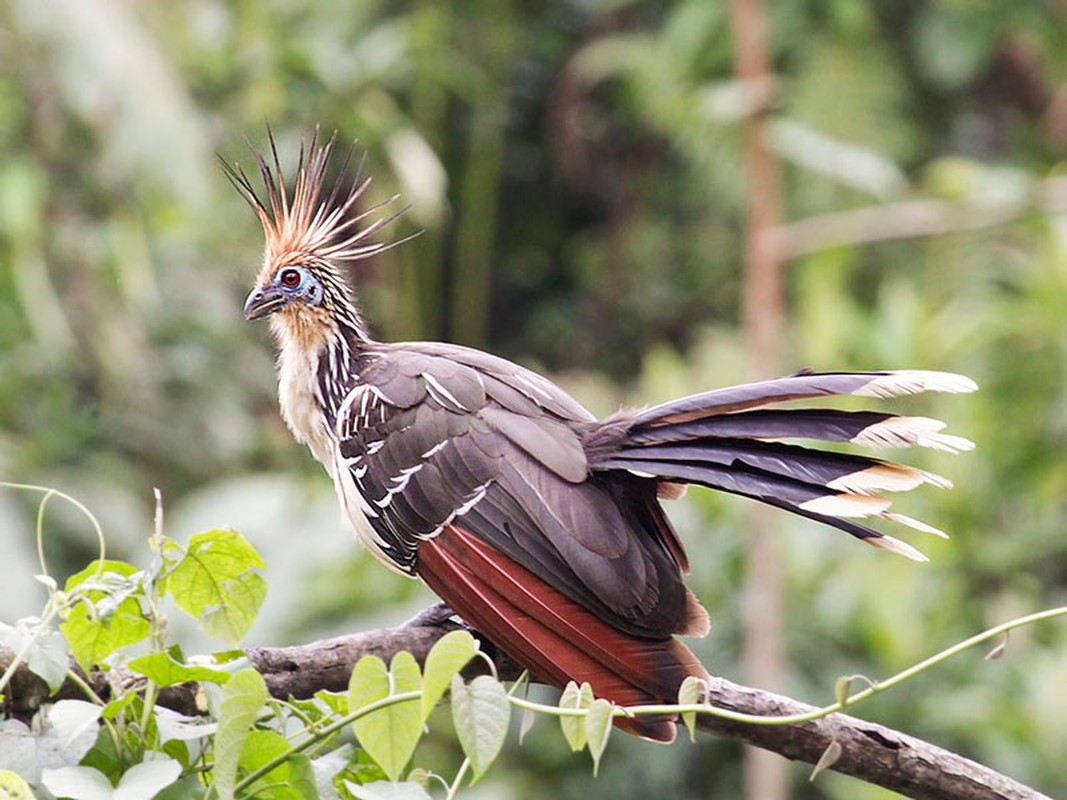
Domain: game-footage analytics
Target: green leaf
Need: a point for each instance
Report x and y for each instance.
(480, 713)
(422, 776)
(302, 777)
(13, 787)
(228, 657)
(261, 746)
(166, 671)
(574, 727)
(448, 656)
(188, 787)
(242, 698)
(292, 779)
(597, 730)
(179, 751)
(335, 701)
(312, 711)
(116, 706)
(216, 581)
(843, 687)
(690, 694)
(108, 755)
(103, 577)
(91, 641)
(109, 617)
(829, 757)
(526, 722)
(364, 769)
(389, 734)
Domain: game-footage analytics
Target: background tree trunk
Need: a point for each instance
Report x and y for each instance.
(763, 318)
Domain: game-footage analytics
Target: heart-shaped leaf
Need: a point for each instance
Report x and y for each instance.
(388, 734)
(480, 712)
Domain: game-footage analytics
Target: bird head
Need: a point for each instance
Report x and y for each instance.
(293, 287)
(311, 234)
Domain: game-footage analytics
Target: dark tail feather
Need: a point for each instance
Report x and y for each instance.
(801, 386)
(720, 439)
(839, 471)
(810, 500)
(870, 428)
(556, 638)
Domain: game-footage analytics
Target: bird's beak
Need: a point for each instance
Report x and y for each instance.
(263, 301)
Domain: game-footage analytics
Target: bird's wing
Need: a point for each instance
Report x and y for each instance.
(432, 437)
(471, 473)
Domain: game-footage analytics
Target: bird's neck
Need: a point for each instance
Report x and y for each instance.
(315, 375)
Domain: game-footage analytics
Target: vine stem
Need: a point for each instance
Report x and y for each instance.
(460, 774)
(53, 608)
(49, 493)
(40, 531)
(819, 713)
(82, 684)
(150, 584)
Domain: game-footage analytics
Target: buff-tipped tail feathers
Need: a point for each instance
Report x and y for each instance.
(739, 440)
(914, 381)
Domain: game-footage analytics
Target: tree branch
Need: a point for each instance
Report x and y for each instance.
(871, 752)
(911, 219)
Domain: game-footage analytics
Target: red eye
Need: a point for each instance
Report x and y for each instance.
(290, 277)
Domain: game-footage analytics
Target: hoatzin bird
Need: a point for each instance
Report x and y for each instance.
(537, 523)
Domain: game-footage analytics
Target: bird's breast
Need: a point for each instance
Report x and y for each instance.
(301, 406)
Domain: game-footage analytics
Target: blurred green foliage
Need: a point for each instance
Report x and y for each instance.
(575, 172)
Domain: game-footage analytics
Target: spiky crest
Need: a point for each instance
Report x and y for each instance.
(310, 226)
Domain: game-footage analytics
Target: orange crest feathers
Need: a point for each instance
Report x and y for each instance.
(311, 223)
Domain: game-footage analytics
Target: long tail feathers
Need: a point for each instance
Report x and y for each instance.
(724, 439)
(800, 386)
(555, 637)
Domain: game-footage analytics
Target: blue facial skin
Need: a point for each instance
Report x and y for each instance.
(290, 285)
(297, 283)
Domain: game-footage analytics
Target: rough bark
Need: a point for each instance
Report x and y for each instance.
(869, 751)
